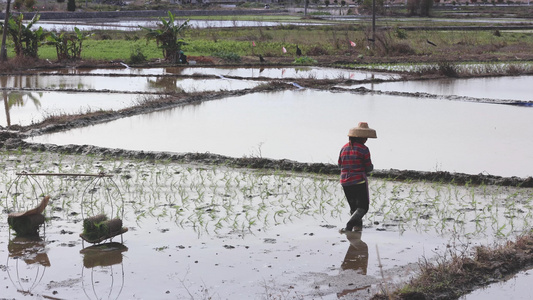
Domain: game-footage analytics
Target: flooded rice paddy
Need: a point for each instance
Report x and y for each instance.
(133, 25)
(311, 126)
(33, 97)
(199, 231)
(507, 88)
(211, 231)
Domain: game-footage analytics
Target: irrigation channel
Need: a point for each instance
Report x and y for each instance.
(200, 231)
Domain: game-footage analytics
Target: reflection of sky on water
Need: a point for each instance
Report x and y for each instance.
(128, 83)
(133, 25)
(57, 103)
(518, 287)
(311, 126)
(510, 88)
(257, 72)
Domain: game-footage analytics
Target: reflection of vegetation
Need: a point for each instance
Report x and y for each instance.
(33, 252)
(18, 99)
(12, 99)
(166, 83)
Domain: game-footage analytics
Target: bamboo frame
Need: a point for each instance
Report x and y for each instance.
(64, 174)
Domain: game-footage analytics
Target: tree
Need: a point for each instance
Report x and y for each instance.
(326, 2)
(71, 5)
(29, 4)
(68, 46)
(420, 7)
(26, 40)
(166, 36)
(3, 50)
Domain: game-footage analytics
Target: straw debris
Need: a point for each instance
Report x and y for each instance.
(458, 275)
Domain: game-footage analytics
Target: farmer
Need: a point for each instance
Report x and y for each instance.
(355, 164)
(182, 58)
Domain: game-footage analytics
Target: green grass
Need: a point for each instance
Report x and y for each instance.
(313, 40)
(107, 50)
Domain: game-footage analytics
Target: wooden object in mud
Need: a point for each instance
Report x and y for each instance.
(27, 223)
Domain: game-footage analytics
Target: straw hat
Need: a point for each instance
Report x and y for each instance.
(362, 131)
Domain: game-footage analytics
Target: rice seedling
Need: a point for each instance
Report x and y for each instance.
(207, 199)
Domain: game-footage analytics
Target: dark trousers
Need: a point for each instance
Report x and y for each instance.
(357, 196)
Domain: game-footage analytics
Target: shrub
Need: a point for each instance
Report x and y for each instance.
(448, 69)
(513, 70)
(137, 56)
(304, 60)
(228, 56)
(402, 48)
(18, 4)
(317, 51)
(71, 5)
(29, 4)
(68, 45)
(400, 33)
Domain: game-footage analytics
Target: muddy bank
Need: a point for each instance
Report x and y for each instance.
(461, 275)
(13, 141)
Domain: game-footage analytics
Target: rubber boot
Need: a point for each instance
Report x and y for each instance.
(356, 220)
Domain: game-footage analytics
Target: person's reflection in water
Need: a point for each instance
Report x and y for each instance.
(357, 255)
(356, 259)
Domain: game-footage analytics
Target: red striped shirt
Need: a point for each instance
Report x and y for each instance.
(354, 161)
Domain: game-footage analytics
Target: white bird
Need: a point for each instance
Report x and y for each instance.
(125, 65)
(296, 85)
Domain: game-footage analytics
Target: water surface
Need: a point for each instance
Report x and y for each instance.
(311, 126)
(130, 84)
(133, 25)
(507, 88)
(517, 288)
(251, 72)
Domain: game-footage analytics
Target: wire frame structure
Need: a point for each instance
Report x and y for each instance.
(28, 275)
(25, 196)
(102, 210)
(102, 274)
(27, 260)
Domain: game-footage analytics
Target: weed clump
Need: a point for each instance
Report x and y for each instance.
(304, 60)
(137, 56)
(228, 56)
(453, 276)
(317, 51)
(448, 69)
